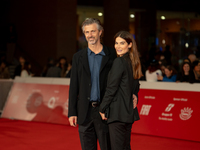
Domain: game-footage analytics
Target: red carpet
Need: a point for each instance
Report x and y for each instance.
(23, 135)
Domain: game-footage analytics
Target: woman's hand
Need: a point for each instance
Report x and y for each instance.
(160, 78)
(103, 116)
(134, 101)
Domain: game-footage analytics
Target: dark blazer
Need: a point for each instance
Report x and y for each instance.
(119, 92)
(80, 82)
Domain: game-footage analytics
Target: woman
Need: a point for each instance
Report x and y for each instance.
(153, 71)
(123, 82)
(26, 70)
(170, 75)
(186, 74)
(20, 67)
(162, 64)
(196, 70)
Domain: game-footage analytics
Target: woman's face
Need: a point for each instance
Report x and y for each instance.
(197, 67)
(186, 68)
(121, 46)
(162, 69)
(168, 73)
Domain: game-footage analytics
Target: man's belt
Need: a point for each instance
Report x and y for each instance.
(94, 103)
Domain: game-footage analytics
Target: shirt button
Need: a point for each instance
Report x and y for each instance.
(88, 98)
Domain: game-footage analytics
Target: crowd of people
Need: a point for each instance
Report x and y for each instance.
(57, 68)
(156, 70)
(158, 67)
(163, 70)
(54, 68)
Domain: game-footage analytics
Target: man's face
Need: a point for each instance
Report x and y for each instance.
(21, 60)
(92, 34)
(62, 61)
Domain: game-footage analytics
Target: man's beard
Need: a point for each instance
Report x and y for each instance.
(93, 41)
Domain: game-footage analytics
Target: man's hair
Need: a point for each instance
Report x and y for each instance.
(90, 21)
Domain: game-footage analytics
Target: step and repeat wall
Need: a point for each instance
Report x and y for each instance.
(166, 109)
(169, 110)
(38, 99)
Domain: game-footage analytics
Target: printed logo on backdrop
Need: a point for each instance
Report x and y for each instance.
(167, 116)
(50, 110)
(169, 107)
(180, 99)
(145, 110)
(149, 97)
(186, 113)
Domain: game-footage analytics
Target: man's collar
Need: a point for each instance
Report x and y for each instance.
(101, 53)
(89, 51)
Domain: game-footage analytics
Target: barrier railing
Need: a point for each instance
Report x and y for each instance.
(5, 86)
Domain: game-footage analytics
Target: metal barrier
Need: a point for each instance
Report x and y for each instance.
(5, 86)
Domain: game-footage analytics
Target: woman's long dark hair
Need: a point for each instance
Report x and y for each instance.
(133, 53)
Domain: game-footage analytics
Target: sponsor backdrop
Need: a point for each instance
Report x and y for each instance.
(169, 113)
(166, 109)
(38, 102)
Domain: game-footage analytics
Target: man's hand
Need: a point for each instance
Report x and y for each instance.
(134, 101)
(73, 121)
(103, 116)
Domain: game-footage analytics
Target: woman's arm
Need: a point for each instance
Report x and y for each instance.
(113, 82)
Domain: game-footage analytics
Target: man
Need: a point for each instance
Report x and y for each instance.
(192, 57)
(90, 69)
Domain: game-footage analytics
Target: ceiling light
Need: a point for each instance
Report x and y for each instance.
(163, 41)
(162, 17)
(132, 15)
(100, 14)
(186, 45)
